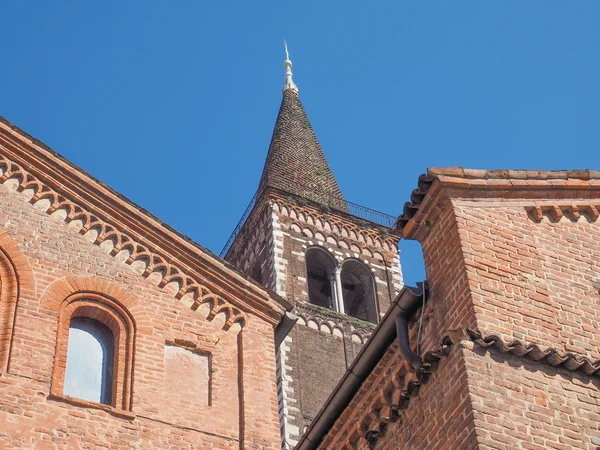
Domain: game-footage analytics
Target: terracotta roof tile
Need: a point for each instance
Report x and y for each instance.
(499, 179)
(548, 356)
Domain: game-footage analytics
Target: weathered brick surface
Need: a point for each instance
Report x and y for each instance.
(52, 260)
(526, 405)
(531, 280)
(521, 276)
(441, 417)
(514, 255)
(275, 239)
(438, 416)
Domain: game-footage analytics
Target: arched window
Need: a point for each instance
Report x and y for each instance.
(94, 351)
(90, 361)
(16, 277)
(320, 277)
(358, 287)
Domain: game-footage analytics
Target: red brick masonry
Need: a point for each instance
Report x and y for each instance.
(513, 264)
(70, 246)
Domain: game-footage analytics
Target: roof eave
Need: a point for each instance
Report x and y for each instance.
(475, 183)
(74, 183)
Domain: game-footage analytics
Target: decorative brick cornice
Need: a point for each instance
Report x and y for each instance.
(517, 184)
(338, 226)
(137, 251)
(175, 258)
(548, 356)
(334, 323)
(556, 212)
(375, 423)
(391, 394)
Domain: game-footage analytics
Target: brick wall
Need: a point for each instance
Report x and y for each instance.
(509, 332)
(533, 279)
(323, 344)
(252, 250)
(51, 260)
(521, 265)
(523, 404)
(389, 412)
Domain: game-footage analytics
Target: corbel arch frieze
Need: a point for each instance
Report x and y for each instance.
(348, 247)
(108, 236)
(332, 328)
(329, 224)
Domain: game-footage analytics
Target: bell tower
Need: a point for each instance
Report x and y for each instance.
(335, 261)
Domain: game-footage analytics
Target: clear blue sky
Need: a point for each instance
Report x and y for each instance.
(172, 103)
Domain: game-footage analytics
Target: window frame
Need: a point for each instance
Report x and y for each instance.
(118, 320)
(103, 357)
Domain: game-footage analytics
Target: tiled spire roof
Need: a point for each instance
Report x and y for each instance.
(295, 162)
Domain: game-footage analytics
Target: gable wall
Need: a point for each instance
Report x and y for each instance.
(242, 377)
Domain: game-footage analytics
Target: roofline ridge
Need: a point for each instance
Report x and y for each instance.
(18, 150)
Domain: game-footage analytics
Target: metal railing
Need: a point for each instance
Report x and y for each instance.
(334, 204)
(370, 215)
(240, 225)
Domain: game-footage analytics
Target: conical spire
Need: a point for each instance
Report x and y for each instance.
(295, 162)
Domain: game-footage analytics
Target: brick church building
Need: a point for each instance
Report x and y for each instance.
(116, 331)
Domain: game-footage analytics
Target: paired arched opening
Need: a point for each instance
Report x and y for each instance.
(348, 288)
(358, 286)
(320, 277)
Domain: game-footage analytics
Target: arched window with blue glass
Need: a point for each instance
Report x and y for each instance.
(90, 361)
(94, 351)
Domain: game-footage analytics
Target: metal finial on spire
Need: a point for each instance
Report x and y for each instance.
(289, 83)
